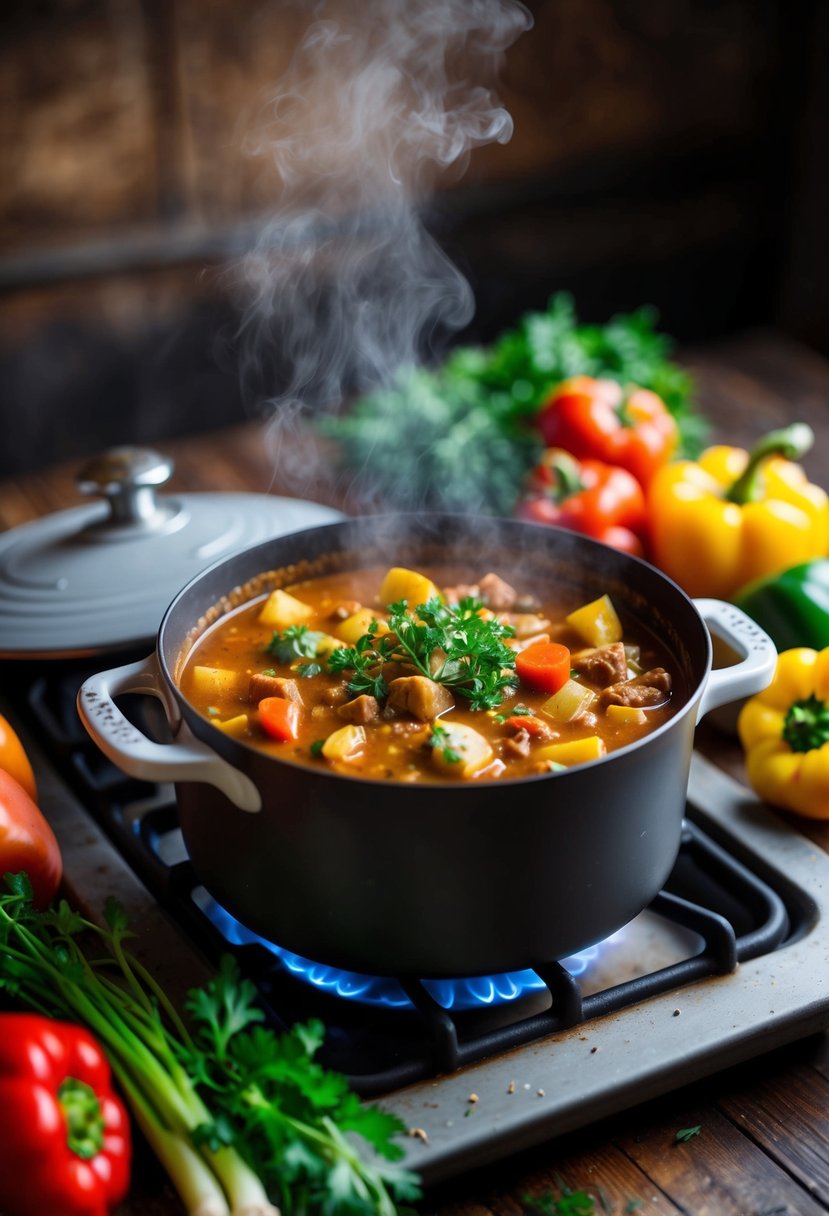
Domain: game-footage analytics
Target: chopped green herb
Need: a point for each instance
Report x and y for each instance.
(687, 1133)
(451, 644)
(294, 642)
(517, 711)
(269, 671)
(568, 1203)
(213, 711)
(439, 739)
(307, 670)
(316, 747)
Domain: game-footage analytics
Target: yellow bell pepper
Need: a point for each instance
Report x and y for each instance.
(785, 733)
(733, 516)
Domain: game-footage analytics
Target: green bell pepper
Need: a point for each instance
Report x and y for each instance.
(792, 607)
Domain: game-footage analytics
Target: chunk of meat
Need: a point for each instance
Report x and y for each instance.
(525, 624)
(604, 665)
(335, 694)
(461, 591)
(344, 610)
(420, 697)
(262, 686)
(518, 745)
(496, 593)
(361, 709)
(646, 691)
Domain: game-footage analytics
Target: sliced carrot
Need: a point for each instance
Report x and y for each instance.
(544, 665)
(532, 725)
(280, 718)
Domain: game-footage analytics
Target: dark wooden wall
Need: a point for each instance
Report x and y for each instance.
(665, 151)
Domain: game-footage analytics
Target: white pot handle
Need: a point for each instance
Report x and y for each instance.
(754, 671)
(185, 759)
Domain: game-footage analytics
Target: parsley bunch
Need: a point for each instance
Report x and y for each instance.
(450, 644)
(235, 1112)
(460, 436)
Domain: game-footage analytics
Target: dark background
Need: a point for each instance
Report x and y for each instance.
(670, 152)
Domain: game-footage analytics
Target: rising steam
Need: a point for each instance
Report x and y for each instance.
(345, 285)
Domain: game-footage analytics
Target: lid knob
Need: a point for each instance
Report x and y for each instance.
(127, 478)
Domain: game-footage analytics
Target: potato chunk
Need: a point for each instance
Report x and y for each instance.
(353, 627)
(344, 743)
(402, 584)
(458, 750)
(281, 609)
(219, 682)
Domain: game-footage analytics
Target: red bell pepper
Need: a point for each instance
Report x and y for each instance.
(590, 497)
(64, 1135)
(599, 420)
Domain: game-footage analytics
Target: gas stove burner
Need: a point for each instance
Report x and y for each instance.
(457, 995)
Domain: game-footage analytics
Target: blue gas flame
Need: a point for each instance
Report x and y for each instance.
(460, 994)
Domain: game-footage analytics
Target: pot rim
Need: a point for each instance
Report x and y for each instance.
(226, 745)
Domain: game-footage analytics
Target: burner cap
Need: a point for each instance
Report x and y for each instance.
(98, 578)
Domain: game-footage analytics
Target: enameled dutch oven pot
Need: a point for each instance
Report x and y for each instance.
(451, 879)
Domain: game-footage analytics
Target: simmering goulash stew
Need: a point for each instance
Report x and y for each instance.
(399, 674)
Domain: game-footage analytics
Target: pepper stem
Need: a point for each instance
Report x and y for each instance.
(84, 1119)
(792, 442)
(806, 726)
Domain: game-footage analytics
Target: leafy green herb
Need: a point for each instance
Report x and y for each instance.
(234, 1111)
(439, 739)
(307, 670)
(568, 1203)
(288, 1115)
(451, 644)
(687, 1133)
(316, 747)
(364, 660)
(517, 711)
(294, 642)
(460, 436)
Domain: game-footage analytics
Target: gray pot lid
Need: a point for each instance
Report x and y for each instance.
(99, 577)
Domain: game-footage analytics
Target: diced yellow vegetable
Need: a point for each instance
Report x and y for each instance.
(344, 743)
(234, 726)
(627, 715)
(570, 700)
(459, 750)
(402, 584)
(354, 626)
(281, 609)
(597, 622)
(219, 682)
(576, 751)
(326, 644)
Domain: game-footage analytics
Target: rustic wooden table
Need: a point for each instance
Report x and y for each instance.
(764, 1145)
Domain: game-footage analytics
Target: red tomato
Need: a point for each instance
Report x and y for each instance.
(544, 665)
(27, 842)
(14, 759)
(279, 718)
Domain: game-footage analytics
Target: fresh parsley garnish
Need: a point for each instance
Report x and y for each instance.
(456, 436)
(687, 1133)
(307, 670)
(294, 642)
(449, 643)
(316, 747)
(568, 1203)
(517, 711)
(364, 660)
(439, 739)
